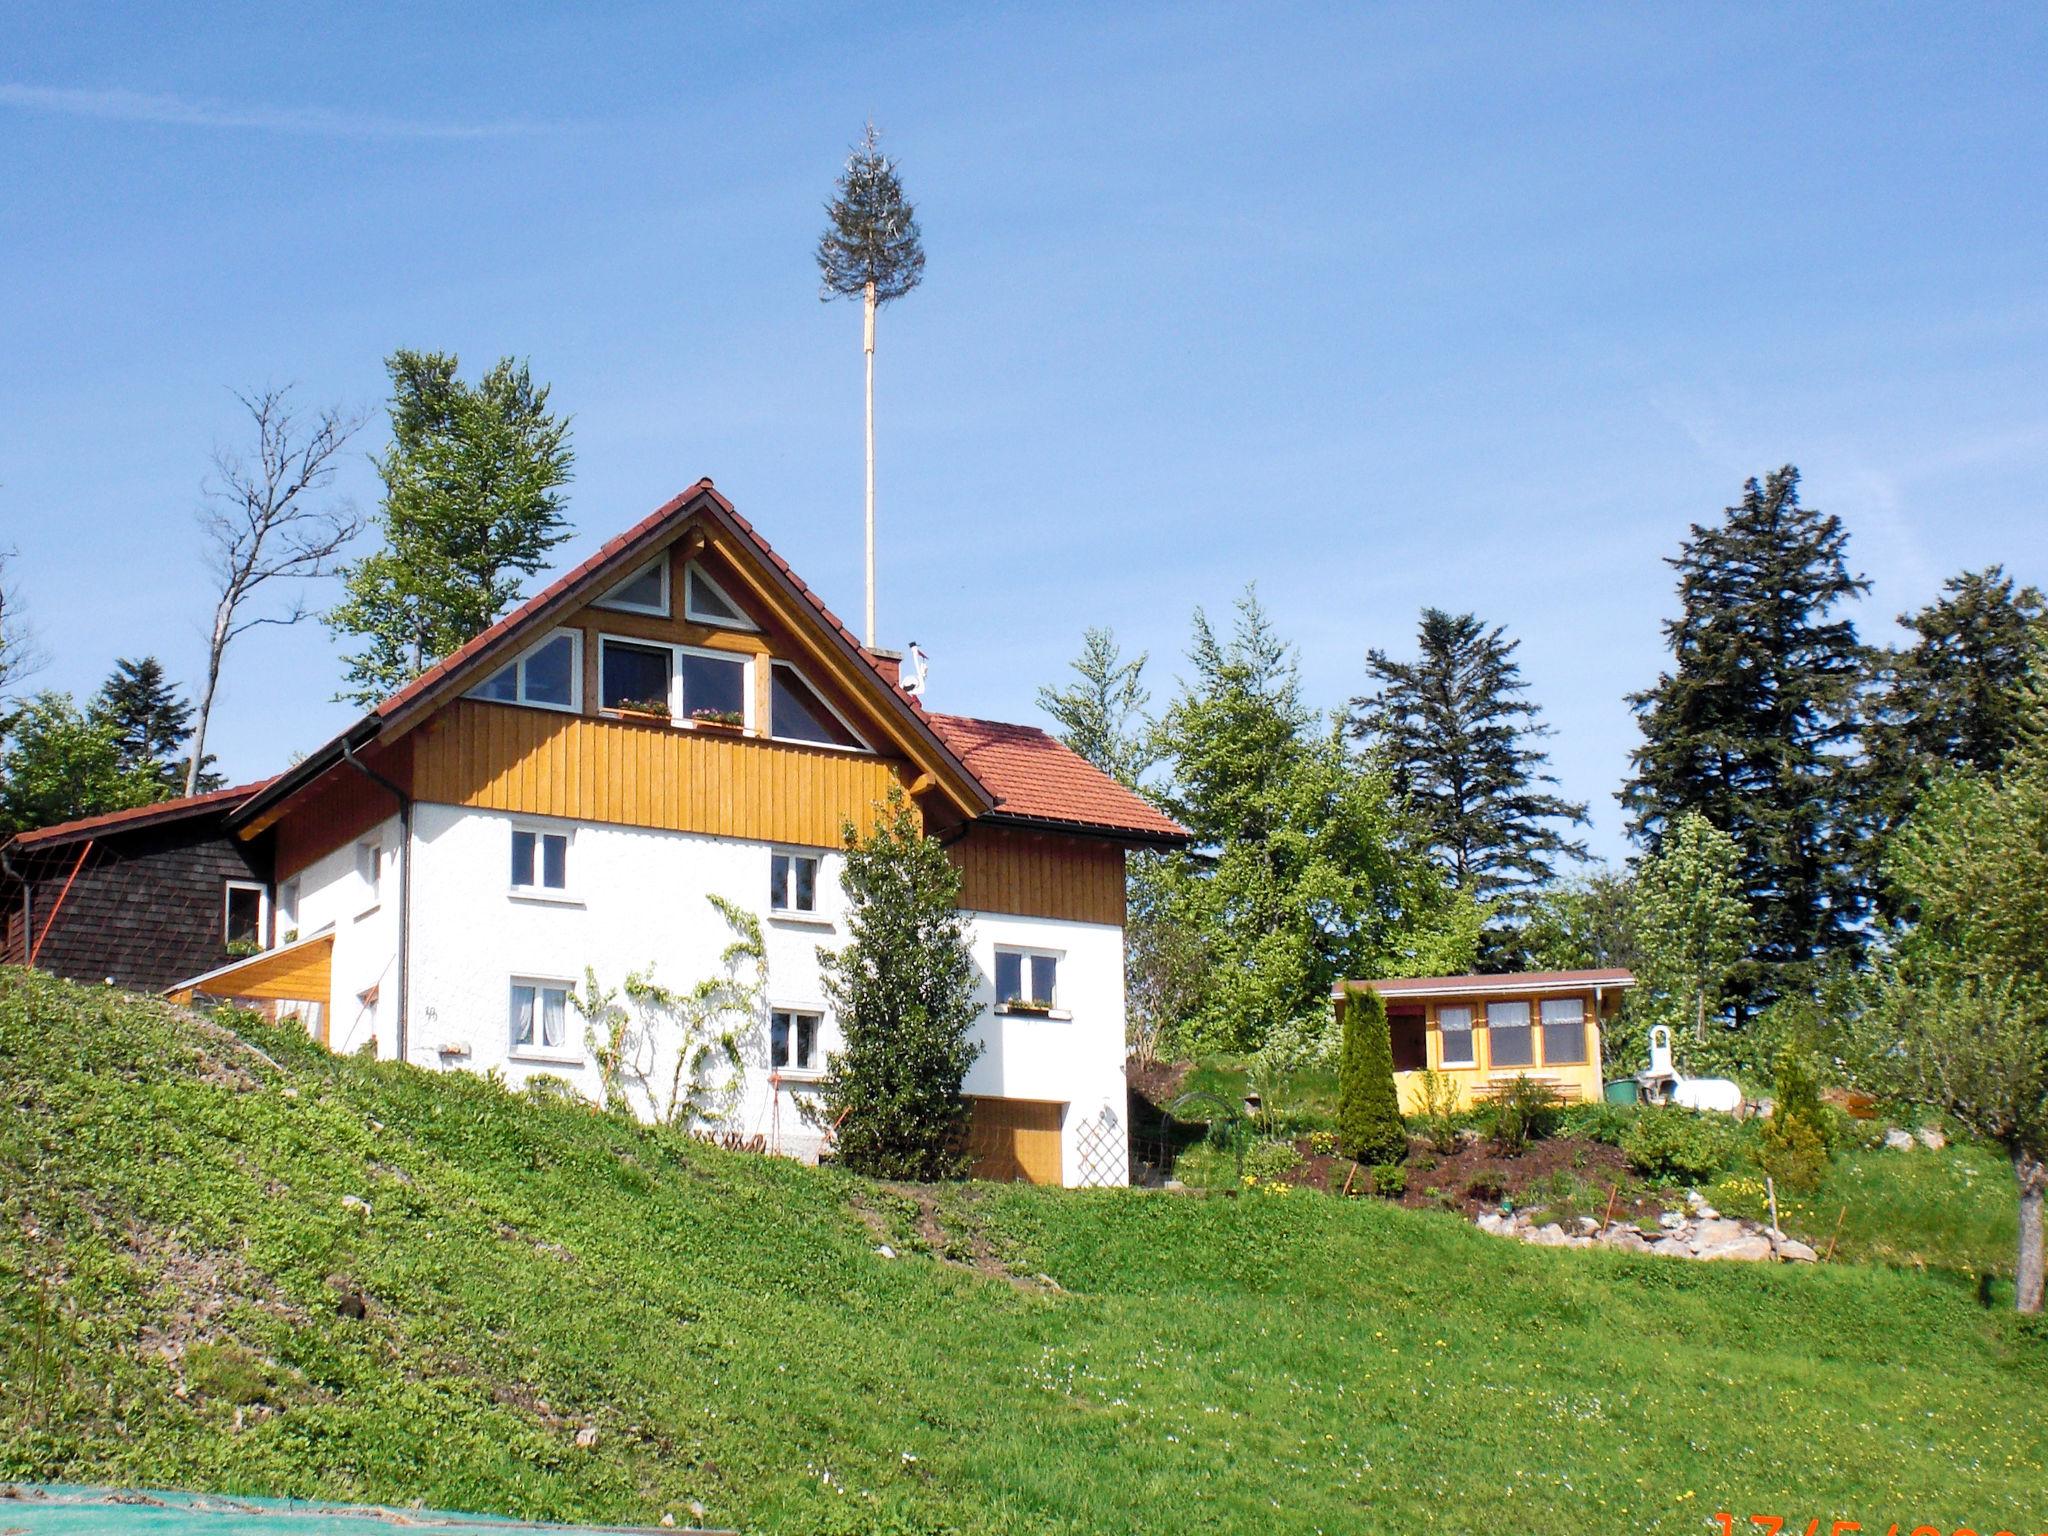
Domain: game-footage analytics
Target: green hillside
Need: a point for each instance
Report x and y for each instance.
(176, 1262)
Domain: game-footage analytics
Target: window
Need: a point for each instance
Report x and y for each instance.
(540, 860)
(793, 1041)
(645, 591)
(1026, 978)
(370, 870)
(1510, 1041)
(1455, 1023)
(797, 713)
(243, 921)
(540, 1018)
(705, 601)
(793, 882)
(1564, 1031)
(635, 677)
(714, 685)
(549, 676)
(288, 911)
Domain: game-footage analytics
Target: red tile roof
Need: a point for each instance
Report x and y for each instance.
(137, 816)
(1509, 981)
(1038, 778)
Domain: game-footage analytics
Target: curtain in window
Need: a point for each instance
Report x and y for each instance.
(1564, 1030)
(553, 1017)
(1456, 1025)
(522, 1015)
(1510, 1040)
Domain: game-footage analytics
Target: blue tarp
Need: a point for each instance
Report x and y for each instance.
(65, 1510)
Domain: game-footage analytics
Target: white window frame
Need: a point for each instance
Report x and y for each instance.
(518, 664)
(1526, 1027)
(812, 916)
(1026, 954)
(830, 708)
(616, 606)
(794, 1073)
(227, 892)
(693, 568)
(565, 894)
(1585, 1037)
(1471, 1038)
(569, 1052)
(285, 910)
(370, 852)
(676, 701)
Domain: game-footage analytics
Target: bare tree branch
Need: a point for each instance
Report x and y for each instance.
(262, 522)
(19, 654)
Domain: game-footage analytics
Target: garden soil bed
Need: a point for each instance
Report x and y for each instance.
(1476, 1178)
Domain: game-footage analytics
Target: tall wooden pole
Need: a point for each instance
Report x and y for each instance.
(869, 344)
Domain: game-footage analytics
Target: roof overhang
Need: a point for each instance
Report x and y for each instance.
(1503, 985)
(1129, 836)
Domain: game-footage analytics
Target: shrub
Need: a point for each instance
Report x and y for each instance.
(1439, 1110)
(1793, 1154)
(1271, 1160)
(1669, 1143)
(230, 1373)
(1599, 1121)
(1323, 1143)
(1797, 1098)
(1369, 1126)
(1522, 1112)
(1389, 1180)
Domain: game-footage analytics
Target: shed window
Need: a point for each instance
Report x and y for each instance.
(1564, 1031)
(1455, 1024)
(1510, 1040)
(799, 714)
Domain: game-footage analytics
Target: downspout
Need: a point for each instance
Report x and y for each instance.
(404, 1009)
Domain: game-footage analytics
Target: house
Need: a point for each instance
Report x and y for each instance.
(136, 898)
(678, 718)
(1482, 1032)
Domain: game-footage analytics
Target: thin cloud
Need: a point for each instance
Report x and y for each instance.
(182, 112)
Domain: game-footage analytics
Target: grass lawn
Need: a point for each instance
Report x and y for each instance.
(176, 1238)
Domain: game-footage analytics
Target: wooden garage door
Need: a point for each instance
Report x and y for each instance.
(1011, 1139)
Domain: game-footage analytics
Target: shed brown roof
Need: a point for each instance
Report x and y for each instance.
(137, 816)
(1506, 981)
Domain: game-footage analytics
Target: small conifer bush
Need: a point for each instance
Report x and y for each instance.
(1369, 1127)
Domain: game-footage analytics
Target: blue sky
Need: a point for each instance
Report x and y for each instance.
(1377, 307)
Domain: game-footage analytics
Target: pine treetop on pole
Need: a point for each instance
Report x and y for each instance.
(873, 237)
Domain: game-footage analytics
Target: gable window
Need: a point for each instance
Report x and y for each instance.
(793, 882)
(793, 1041)
(549, 676)
(645, 591)
(540, 1018)
(714, 685)
(798, 713)
(1027, 980)
(635, 678)
(705, 602)
(1564, 1031)
(1454, 1022)
(540, 861)
(370, 871)
(242, 917)
(1510, 1040)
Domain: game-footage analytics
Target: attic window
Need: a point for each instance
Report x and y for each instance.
(549, 676)
(645, 591)
(705, 602)
(797, 713)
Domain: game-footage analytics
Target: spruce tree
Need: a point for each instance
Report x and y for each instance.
(903, 992)
(1455, 728)
(1102, 714)
(1754, 724)
(472, 504)
(1369, 1126)
(149, 722)
(1950, 699)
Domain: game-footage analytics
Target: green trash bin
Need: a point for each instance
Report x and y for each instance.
(1624, 1090)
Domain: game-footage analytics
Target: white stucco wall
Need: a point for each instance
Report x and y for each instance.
(638, 897)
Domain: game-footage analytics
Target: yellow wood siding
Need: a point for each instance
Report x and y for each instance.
(1040, 874)
(544, 763)
(299, 973)
(1574, 1081)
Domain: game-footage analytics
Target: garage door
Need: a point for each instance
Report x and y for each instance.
(1012, 1139)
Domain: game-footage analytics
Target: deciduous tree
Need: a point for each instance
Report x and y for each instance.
(264, 525)
(58, 763)
(472, 505)
(903, 990)
(1692, 925)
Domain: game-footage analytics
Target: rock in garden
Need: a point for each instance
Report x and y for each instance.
(1898, 1140)
(886, 1251)
(1707, 1213)
(355, 1203)
(586, 1437)
(1752, 1248)
(1549, 1235)
(1792, 1251)
(1932, 1139)
(1712, 1234)
(1589, 1224)
(1671, 1221)
(1628, 1239)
